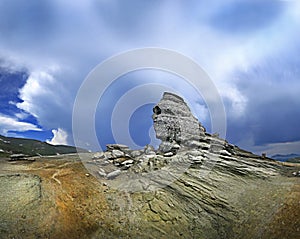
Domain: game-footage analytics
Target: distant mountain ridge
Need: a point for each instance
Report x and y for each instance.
(31, 147)
(285, 157)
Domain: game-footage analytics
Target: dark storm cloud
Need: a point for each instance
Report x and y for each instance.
(24, 20)
(244, 16)
(273, 108)
(60, 42)
(127, 17)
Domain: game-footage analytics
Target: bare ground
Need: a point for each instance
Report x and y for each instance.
(74, 204)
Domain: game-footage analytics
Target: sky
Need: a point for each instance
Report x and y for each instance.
(248, 48)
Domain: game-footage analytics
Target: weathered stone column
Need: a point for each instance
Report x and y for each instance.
(175, 124)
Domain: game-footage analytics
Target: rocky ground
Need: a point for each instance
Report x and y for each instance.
(196, 185)
(237, 197)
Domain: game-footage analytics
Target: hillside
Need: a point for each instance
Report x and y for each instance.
(30, 147)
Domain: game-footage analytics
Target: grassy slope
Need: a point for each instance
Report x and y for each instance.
(32, 147)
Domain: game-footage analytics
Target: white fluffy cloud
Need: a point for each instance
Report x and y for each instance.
(8, 123)
(33, 89)
(60, 137)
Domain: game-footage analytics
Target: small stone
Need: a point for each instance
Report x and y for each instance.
(103, 163)
(195, 159)
(195, 153)
(109, 156)
(165, 147)
(127, 162)
(149, 150)
(119, 160)
(87, 174)
(113, 174)
(225, 153)
(169, 154)
(176, 146)
(98, 155)
(117, 153)
(111, 147)
(136, 153)
(102, 174)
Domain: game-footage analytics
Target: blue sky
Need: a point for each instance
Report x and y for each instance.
(249, 48)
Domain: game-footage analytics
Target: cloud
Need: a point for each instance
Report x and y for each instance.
(246, 16)
(46, 98)
(274, 148)
(59, 42)
(22, 115)
(35, 87)
(280, 148)
(8, 123)
(60, 137)
(272, 115)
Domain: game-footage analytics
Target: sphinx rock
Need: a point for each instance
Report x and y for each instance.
(175, 125)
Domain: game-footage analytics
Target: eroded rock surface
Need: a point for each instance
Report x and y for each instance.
(195, 186)
(174, 123)
(20, 194)
(216, 196)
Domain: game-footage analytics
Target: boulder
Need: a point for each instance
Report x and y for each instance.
(113, 174)
(168, 154)
(117, 153)
(99, 155)
(149, 150)
(102, 172)
(121, 147)
(136, 153)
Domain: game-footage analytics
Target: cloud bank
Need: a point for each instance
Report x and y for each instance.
(249, 49)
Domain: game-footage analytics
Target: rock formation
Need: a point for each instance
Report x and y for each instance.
(174, 124)
(195, 186)
(177, 128)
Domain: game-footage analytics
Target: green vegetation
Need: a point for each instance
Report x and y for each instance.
(30, 147)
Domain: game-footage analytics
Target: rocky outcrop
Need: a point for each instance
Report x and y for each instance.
(196, 185)
(216, 196)
(184, 143)
(174, 124)
(178, 129)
